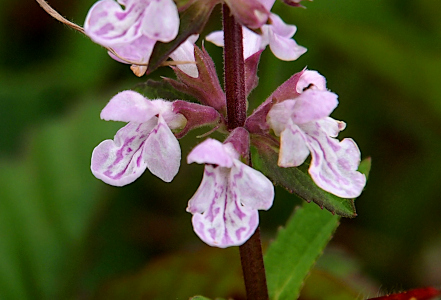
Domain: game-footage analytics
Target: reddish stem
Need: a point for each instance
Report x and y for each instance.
(234, 67)
(234, 71)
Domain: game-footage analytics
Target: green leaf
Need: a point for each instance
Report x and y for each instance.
(193, 20)
(365, 166)
(152, 89)
(200, 298)
(298, 181)
(291, 256)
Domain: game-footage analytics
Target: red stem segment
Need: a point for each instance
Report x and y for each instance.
(253, 268)
(234, 67)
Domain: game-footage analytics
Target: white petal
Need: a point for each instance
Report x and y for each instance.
(138, 51)
(284, 48)
(334, 164)
(254, 190)
(216, 37)
(161, 20)
(224, 222)
(185, 52)
(313, 105)
(129, 106)
(162, 152)
(211, 151)
(119, 162)
(109, 25)
(293, 148)
(311, 79)
(279, 116)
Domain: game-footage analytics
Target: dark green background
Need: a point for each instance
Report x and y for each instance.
(65, 234)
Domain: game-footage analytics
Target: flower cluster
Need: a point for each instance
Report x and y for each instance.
(295, 117)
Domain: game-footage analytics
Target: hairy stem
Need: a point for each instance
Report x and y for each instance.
(234, 67)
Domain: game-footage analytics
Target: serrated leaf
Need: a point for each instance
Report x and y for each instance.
(200, 298)
(298, 181)
(193, 20)
(291, 256)
(152, 89)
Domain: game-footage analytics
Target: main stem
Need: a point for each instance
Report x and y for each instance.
(234, 67)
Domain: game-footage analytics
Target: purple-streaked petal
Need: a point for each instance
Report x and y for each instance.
(119, 162)
(283, 48)
(138, 51)
(212, 152)
(129, 106)
(313, 105)
(185, 52)
(334, 164)
(109, 25)
(221, 221)
(311, 80)
(162, 152)
(161, 20)
(253, 189)
(293, 148)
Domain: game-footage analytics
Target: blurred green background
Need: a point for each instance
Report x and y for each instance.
(66, 235)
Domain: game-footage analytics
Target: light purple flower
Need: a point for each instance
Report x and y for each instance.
(145, 142)
(132, 31)
(225, 205)
(276, 34)
(304, 127)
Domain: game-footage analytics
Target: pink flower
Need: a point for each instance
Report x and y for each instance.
(276, 34)
(304, 127)
(145, 142)
(132, 31)
(225, 206)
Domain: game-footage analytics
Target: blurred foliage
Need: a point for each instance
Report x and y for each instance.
(65, 234)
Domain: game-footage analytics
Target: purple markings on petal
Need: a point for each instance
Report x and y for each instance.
(225, 205)
(112, 163)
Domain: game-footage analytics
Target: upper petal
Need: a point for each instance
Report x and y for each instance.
(162, 152)
(313, 105)
(311, 79)
(119, 162)
(161, 20)
(129, 106)
(253, 189)
(108, 24)
(210, 151)
(334, 164)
